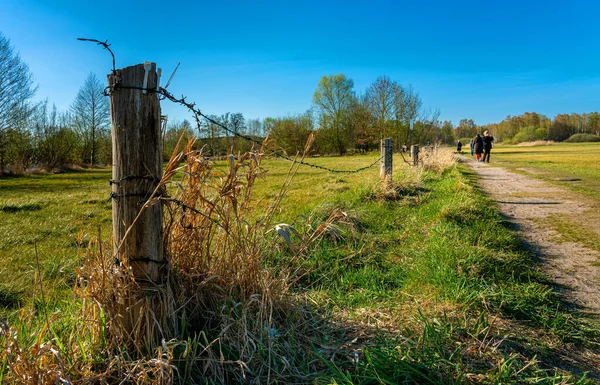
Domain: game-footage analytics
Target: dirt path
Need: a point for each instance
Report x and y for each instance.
(526, 202)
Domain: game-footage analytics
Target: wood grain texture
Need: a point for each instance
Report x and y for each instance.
(137, 150)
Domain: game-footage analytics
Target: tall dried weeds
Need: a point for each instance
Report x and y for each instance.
(220, 307)
(221, 314)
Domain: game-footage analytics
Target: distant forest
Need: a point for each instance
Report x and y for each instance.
(36, 135)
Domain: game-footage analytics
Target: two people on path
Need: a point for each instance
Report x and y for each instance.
(483, 145)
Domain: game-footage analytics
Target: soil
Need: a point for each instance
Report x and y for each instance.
(529, 205)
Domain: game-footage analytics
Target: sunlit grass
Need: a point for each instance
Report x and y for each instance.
(572, 165)
(423, 285)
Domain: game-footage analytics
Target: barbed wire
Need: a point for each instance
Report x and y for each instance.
(105, 45)
(199, 114)
(164, 94)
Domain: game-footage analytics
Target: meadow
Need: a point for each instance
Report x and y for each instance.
(575, 166)
(572, 166)
(420, 283)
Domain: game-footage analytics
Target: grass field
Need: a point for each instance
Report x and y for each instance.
(429, 286)
(572, 165)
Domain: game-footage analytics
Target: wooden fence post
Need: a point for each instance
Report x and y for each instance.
(385, 170)
(136, 170)
(414, 151)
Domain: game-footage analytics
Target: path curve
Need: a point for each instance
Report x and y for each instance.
(525, 202)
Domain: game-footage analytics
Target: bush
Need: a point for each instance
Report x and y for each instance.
(520, 137)
(540, 133)
(580, 138)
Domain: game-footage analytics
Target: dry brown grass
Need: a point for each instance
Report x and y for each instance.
(221, 313)
(437, 158)
(536, 143)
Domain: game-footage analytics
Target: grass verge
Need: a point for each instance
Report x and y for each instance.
(421, 284)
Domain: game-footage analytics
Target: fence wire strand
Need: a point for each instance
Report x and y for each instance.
(164, 94)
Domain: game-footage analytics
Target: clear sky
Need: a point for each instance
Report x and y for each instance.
(470, 59)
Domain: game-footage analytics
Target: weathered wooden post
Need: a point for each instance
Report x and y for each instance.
(136, 170)
(414, 151)
(137, 228)
(385, 169)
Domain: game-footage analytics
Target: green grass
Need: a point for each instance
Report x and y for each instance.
(55, 214)
(429, 287)
(572, 165)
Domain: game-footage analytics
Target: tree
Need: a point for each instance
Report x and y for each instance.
(291, 133)
(91, 114)
(466, 129)
(380, 99)
(333, 97)
(446, 130)
(16, 88)
(361, 119)
(238, 125)
(55, 141)
(177, 132)
(407, 108)
(256, 128)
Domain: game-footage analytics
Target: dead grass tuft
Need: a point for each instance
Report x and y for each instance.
(536, 143)
(437, 158)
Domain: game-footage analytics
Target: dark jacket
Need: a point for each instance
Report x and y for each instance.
(487, 142)
(478, 144)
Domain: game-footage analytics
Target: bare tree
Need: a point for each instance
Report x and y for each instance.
(407, 107)
(256, 127)
(237, 123)
(381, 97)
(91, 115)
(16, 88)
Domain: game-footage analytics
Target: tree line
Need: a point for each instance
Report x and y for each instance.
(347, 121)
(531, 126)
(36, 134)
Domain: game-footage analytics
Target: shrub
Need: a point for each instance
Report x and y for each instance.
(520, 137)
(580, 138)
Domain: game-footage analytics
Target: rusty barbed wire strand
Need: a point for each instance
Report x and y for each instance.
(199, 114)
(105, 45)
(162, 92)
(133, 177)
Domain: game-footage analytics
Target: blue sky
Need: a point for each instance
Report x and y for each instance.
(470, 59)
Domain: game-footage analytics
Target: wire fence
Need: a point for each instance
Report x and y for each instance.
(198, 115)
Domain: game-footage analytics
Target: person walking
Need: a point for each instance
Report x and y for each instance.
(478, 147)
(459, 147)
(471, 146)
(487, 145)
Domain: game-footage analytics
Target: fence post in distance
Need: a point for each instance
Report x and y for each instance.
(414, 151)
(385, 170)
